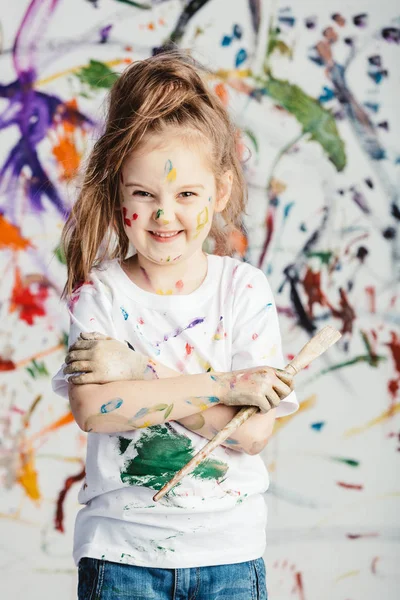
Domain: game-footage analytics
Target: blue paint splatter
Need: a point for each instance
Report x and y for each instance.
(240, 57)
(112, 405)
(226, 40)
(141, 413)
(237, 31)
(327, 94)
(317, 426)
(287, 209)
(124, 313)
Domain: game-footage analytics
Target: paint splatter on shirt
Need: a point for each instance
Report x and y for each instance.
(228, 323)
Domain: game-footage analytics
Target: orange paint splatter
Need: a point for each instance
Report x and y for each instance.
(222, 93)
(27, 476)
(238, 242)
(189, 349)
(179, 284)
(10, 236)
(65, 150)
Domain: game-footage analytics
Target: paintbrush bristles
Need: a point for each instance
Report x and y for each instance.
(312, 349)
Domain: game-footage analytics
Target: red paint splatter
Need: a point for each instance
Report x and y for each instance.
(394, 384)
(299, 584)
(249, 286)
(126, 220)
(179, 284)
(30, 304)
(350, 486)
(7, 365)
(270, 230)
(373, 564)
(254, 336)
(356, 536)
(59, 517)
(135, 216)
(189, 349)
(140, 321)
(370, 291)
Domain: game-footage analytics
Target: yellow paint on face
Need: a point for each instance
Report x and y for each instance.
(162, 293)
(202, 220)
(171, 175)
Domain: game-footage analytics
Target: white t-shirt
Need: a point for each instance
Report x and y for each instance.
(216, 515)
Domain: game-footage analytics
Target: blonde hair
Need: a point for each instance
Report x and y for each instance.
(166, 90)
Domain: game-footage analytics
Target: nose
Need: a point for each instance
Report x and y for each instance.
(164, 213)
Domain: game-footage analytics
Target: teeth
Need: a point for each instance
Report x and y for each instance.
(165, 235)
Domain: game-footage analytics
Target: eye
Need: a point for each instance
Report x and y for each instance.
(141, 194)
(187, 194)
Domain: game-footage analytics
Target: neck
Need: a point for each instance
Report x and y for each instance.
(169, 278)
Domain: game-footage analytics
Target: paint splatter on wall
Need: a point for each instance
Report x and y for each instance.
(314, 89)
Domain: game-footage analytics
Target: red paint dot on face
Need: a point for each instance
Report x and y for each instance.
(135, 216)
(179, 284)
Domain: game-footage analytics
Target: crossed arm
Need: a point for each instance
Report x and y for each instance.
(127, 400)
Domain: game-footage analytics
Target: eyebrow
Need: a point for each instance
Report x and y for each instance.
(188, 185)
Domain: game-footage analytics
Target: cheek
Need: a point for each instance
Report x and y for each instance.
(129, 216)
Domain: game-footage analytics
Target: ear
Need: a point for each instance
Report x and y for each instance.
(224, 191)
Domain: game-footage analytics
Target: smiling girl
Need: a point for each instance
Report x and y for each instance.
(180, 341)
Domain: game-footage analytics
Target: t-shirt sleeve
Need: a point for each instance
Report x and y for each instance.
(90, 309)
(256, 334)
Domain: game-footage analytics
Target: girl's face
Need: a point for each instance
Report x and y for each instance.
(169, 197)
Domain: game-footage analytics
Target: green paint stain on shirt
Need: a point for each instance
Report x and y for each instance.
(161, 453)
(123, 444)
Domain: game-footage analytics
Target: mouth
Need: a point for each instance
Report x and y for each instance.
(165, 236)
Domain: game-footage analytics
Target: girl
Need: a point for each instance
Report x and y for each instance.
(182, 342)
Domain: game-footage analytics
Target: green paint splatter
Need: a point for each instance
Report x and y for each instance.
(325, 257)
(168, 411)
(97, 75)
(347, 461)
(37, 369)
(59, 253)
(161, 452)
(159, 213)
(123, 444)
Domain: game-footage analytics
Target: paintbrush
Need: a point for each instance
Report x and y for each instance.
(312, 349)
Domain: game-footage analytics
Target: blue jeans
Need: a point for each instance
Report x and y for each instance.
(103, 580)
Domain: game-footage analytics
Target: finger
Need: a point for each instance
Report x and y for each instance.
(281, 389)
(273, 398)
(83, 345)
(284, 376)
(93, 335)
(77, 355)
(263, 404)
(77, 366)
(83, 378)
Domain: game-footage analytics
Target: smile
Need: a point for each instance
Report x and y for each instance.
(164, 236)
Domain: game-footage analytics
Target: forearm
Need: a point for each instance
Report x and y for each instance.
(127, 405)
(208, 423)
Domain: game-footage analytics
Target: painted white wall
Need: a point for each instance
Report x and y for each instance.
(313, 549)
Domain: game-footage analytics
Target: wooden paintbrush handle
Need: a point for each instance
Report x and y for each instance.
(310, 351)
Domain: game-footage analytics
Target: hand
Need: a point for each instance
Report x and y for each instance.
(96, 358)
(263, 387)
